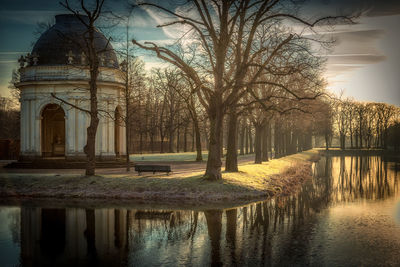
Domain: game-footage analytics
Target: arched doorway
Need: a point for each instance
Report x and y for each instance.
(117, 131)
(53, 131)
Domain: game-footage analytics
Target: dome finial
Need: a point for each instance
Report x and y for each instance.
(70, 57)
(28, 59)
(35, 58)
(21, 61)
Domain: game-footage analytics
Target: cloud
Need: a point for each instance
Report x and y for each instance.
(154, 64)
(355, 59)
(366, 58)
(139, 20)
(371, 8)
(353, 50)
(383, 8)
(360, 42)
(12, 53)
(7, 61)
(160, 18)
(173, 31)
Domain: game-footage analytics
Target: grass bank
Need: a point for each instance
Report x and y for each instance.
(252, 182)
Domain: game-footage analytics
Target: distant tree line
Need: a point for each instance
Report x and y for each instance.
(366, 125)
(9, 119)
(9, 129)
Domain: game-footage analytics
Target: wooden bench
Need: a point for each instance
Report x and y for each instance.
(152, 168)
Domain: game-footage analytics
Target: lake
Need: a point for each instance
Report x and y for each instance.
(348, 214)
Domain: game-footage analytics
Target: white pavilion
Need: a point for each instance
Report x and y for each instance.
(58, 65)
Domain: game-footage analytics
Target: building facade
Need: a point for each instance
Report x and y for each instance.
(54, 86)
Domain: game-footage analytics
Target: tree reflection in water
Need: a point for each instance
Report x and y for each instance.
(274, 232)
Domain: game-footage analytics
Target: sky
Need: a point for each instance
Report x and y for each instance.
(364, 63)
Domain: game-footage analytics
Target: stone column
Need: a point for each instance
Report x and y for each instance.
(82, 118)
(37, 130)
(31, 117)
(23, 130)
(123, 140)
(99, 137)
(70, 130)
(76, 245)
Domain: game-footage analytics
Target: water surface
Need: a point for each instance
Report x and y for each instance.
(348, 214)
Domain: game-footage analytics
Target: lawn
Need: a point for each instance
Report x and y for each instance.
(253, 181)
(181, 156)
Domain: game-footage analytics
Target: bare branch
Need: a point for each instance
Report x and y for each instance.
(70, 104)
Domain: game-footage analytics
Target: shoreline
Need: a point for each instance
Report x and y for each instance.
(253, 182)
(358, 152)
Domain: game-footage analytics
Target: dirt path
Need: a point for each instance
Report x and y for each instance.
(178, 168)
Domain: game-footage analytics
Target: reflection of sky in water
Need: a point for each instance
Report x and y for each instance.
(9, 236)
(397, 214)
(347, 215)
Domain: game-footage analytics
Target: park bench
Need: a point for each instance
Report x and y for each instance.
(152, 168)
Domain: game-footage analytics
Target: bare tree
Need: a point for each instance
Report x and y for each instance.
(385, 113)
(188, 96)
(341, 110)
(92, 55)
(226, 33)
(9, 119)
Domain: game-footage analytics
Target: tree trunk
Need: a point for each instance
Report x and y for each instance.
(221, 136)
(356, 136)
(171, 140)
(214, 226)
(294, 137)
(241, 142)
(231, 228)
(177, 139)
(287, 142)
(193, 133)
(308, 140)
(90, 147)
(327, 141)
(247, 138)
(270, 139)
(360, 133)
(127, 143)
(265, 143)
(251, 148)
(185, 139)
(351, 140)
(258, 148)
(152, 143)
(162, 145)
(214, 163)
(277, 140)
(206, 135)
(231, 164)
(127, 126)
(385, 138)
(141, 143)
(199, 156)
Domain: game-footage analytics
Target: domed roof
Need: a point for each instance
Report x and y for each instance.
(65, 41)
